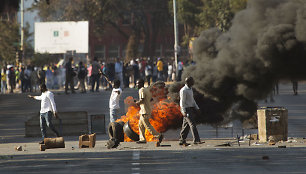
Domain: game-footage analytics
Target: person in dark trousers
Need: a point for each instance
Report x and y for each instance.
(95, 75)
(69, 76)
(189, 109)
(12, 79)
(81, 76)
(295, 86)
(48, 108)
(41, 76)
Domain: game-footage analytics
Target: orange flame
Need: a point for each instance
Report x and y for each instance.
(165, 114)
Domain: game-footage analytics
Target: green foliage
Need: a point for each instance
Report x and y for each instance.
(199, 15)
(219, 13)
(9, 41)
(8, 4)
(132, 48)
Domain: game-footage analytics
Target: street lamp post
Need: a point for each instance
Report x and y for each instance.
(22, 30)
(176, 45)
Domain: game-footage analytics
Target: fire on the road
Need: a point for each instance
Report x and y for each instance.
(165, 114)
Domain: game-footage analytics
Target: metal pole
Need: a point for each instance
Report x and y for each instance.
(175, 36)
(22, 30)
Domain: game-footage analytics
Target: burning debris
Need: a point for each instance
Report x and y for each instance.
(165, 113)
(233, 70)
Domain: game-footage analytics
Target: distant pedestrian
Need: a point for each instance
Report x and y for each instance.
(41, 76)
(189, 109)
(295, 86)
(69, 76)
(136, 72)
(95, 75)
(160, 66)
(180, 70)
(81, 76)
(34, 79)
(148, 73)
(145, 97)
(49, 77)
(3, 81)
(170, 70)
(114, 106)
(154, 74)
(119, 71)
(12, 79)
(48, 108)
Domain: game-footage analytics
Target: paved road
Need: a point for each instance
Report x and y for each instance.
(16, 108)
(230, 161)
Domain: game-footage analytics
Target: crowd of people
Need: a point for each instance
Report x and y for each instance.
(92, 76)
(28, 78)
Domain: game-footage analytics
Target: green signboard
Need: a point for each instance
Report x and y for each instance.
(55, 33)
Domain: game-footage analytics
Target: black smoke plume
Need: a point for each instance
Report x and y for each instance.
(235, 69)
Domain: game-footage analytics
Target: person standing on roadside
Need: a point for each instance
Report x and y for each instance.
(48, 108)
(145, 97)
(3, 81)
(148, 73)
(95, 74)
(119, 71)
(12, 79)
(160, 66)
(69, 76)
(189, 109)
(81, 76)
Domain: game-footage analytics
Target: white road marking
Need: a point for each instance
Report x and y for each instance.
(135, 157)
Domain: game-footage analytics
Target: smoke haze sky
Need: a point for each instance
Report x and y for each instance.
(265, 43)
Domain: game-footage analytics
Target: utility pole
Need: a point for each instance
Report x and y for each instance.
(22, 30)
(176, 45)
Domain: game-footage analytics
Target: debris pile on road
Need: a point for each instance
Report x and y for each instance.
(50, 143)
(87, 141)
(18, 148)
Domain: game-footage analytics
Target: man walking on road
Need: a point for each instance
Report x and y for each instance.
(48, 108)
(145, 97)
(188, 108)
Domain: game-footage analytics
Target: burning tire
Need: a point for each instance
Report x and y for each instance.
(129, 132)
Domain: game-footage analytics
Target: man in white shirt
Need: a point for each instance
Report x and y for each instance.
(188, 108)
(114, 107)
(47, 108)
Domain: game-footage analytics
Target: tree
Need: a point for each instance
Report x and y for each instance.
(9, 41)
(187, 14)
(8, 5)
(199, 15)
(219, 13)
(149, 17)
